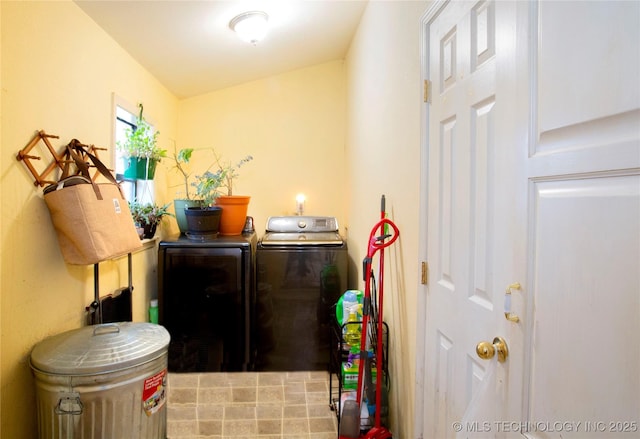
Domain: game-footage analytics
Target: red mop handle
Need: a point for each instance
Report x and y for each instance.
(379, 342)
(375, 243)
(379, 338)
(378, 242)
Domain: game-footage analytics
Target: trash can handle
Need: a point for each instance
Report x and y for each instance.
(106, 328)
(69, 404)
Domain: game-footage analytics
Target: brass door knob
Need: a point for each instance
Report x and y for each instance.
(487, 351)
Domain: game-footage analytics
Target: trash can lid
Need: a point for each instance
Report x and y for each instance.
(100, 349)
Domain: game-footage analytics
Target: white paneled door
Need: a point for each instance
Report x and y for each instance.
(532, 220)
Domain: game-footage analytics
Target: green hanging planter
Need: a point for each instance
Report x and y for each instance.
(140, 149)
(140, 168)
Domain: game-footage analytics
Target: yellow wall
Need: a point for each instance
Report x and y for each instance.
(1, 221)
(292, 124)
(59, 70)
(383, 157)
(349, 132)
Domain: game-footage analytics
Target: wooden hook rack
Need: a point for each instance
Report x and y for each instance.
(60, 160)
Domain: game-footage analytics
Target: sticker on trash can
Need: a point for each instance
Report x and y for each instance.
(154, 392)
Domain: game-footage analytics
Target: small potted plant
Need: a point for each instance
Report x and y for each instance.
(209, 188)
(148, 216)
(234, 207)
(203, 221)
(140, 150)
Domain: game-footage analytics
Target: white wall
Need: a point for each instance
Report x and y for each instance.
(383, 157)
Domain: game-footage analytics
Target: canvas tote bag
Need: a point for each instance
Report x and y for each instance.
(92, 220)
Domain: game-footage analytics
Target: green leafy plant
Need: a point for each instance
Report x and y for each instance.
(141, 142)
(209, 185)
(182, 159)
(148, 213)
(230, 171)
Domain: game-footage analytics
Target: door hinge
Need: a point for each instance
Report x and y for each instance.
(424, 275)
(427, 91)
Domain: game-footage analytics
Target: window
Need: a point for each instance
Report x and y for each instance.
(125, 117)
(124, 121)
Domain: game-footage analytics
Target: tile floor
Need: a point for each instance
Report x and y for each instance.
(242, 405)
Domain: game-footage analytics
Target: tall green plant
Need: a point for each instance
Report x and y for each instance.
(209, 185)
(230, 172)
(181, 159)
(141, 142)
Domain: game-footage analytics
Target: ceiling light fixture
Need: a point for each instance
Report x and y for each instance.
(250, 26)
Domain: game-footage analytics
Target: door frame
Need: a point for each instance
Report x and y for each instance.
(423, 289)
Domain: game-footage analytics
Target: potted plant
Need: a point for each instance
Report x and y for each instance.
(208, 189)
(182, 159)
(234, 207)
(203, 220)
(148, 216)
(140, 150)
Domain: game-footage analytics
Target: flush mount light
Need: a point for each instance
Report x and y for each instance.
(250, 26)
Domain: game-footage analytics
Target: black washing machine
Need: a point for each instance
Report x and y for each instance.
(206, 294)
(302, 265)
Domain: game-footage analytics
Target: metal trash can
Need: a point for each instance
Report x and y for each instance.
(102, 382)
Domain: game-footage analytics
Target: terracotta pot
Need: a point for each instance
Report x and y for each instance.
(234, 213)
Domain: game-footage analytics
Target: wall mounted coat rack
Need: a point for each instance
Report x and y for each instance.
(60, 161)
